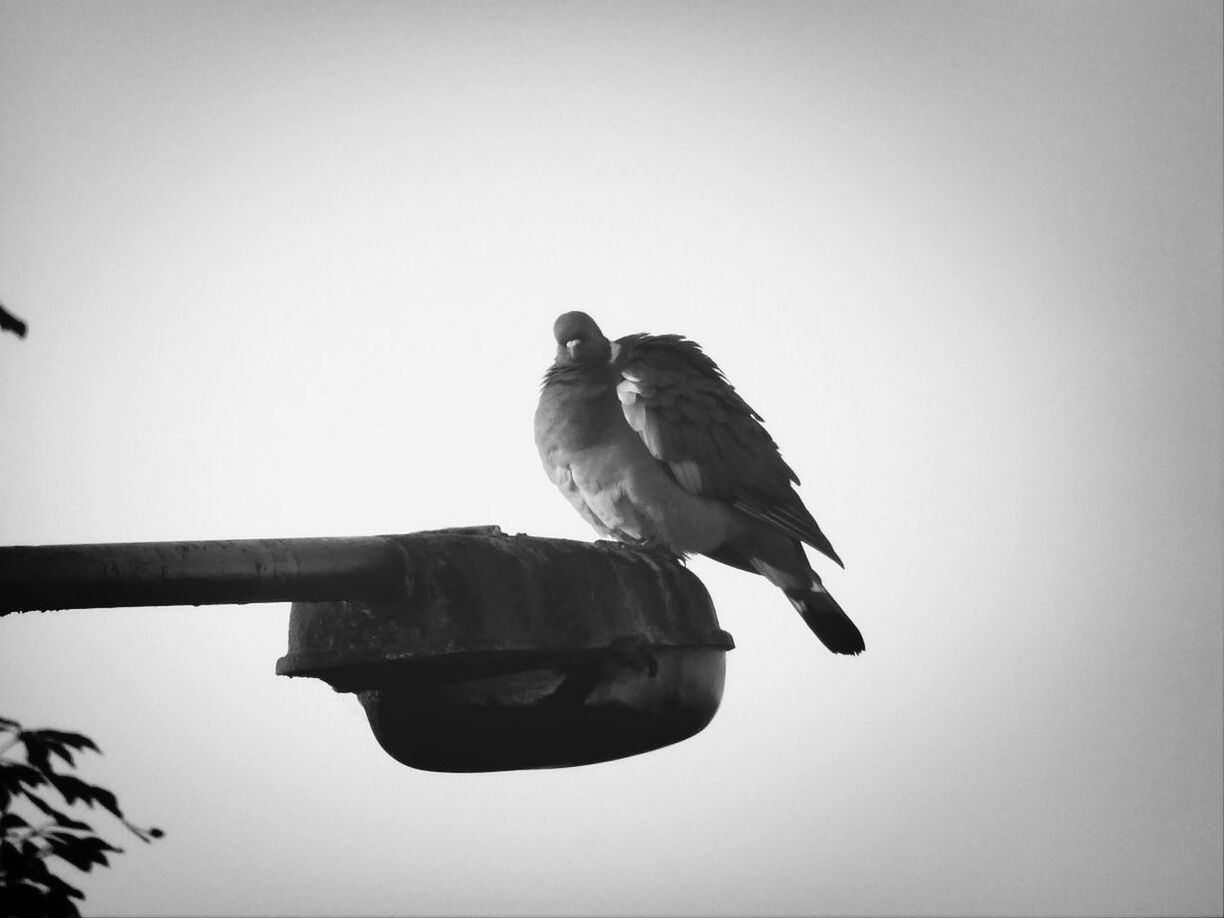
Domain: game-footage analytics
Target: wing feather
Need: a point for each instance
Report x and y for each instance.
(711, 440)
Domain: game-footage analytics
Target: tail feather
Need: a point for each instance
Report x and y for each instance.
(827, 620)
(781, 560)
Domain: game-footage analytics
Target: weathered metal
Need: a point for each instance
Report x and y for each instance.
(511, 652)
(126, 574)
(469, 649)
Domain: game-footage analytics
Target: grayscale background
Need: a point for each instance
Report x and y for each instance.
(291, 270)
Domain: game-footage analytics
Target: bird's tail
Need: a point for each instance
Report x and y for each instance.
(827, 620)
(781, 561)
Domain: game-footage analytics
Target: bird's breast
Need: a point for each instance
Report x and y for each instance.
(601, 464)
(575, 416)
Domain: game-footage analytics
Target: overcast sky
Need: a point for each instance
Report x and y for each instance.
(291, 270)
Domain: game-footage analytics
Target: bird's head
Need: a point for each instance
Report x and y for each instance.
(579, 341)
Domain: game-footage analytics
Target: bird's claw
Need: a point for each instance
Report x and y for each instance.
(652, 547)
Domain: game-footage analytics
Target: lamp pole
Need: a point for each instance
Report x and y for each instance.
(200, 573)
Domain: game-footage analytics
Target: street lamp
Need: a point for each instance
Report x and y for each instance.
(469, 649)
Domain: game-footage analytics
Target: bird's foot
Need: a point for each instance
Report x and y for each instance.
(653, 547)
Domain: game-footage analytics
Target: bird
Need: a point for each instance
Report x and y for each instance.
(653, 447)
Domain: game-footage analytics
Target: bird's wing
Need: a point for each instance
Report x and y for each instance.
(711, 440)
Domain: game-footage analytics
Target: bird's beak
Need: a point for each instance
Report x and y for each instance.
(572, 346)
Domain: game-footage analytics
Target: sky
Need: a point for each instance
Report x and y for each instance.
(291, 270)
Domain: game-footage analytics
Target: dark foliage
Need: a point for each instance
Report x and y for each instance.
(9, 322)
(27, 885)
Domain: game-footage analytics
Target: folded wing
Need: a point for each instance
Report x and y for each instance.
(712, 442)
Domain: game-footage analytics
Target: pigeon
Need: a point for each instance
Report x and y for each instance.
(654, 448)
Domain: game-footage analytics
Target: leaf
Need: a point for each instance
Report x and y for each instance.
(14, 774)
(81, 853)
(64, 821)
(30, 900)
(37, 752)
(72, 789)
(12, 821)
(42, 743)
(86, 842)
(26, 849)
(107, 801)
(75, 789)
(47, 895)
(81, 859)
(64, 888)
(72, 740)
